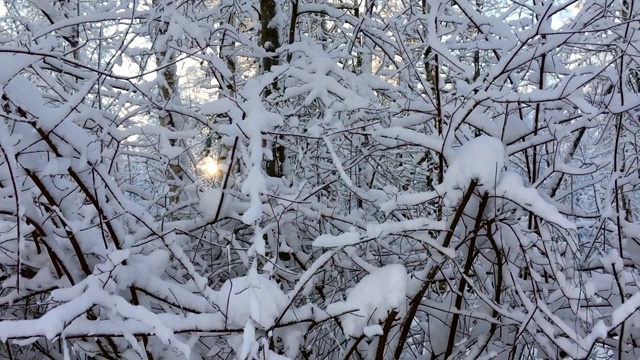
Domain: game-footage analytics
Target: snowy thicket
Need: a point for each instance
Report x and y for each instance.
(314, 179)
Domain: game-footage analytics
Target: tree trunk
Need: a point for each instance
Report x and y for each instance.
(270, 41)
(168, 90)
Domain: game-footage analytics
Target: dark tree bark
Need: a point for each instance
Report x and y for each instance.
(270, 41)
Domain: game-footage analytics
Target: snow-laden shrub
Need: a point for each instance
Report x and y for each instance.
(431, 180)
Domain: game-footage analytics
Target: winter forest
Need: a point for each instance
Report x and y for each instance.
(319, 179)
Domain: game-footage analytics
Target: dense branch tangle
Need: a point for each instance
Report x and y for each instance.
(483, 146)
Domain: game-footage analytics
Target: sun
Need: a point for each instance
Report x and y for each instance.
(209, 166)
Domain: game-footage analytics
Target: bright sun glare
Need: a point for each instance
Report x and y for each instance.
(209, 166)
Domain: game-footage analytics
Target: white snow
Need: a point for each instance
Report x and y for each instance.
(12, 64)
(248, 341)
(345, 239)
(512, 188)
(337, 163)
(372, 330)
(234, 299)
(25, 94)
(480, 159)
(172, 152)
(373, 297)
(210, 201)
